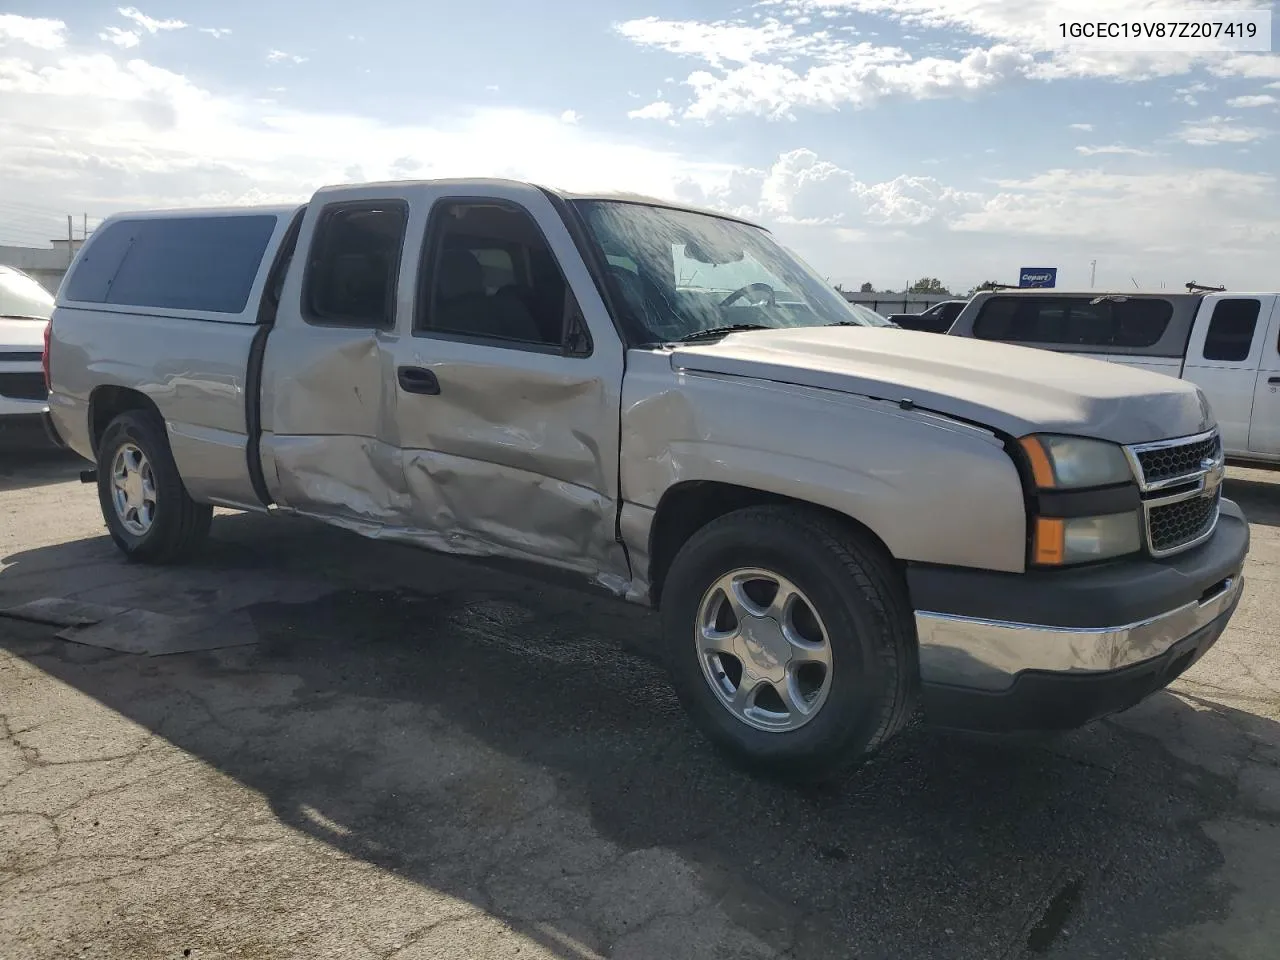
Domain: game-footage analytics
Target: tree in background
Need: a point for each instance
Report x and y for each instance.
(866, 288)
(985, 285)
(929, 285)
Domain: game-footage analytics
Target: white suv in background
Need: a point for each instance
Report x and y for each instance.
(25, 307)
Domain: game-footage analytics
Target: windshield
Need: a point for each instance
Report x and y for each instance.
(681, 273)
(870, 317)
(20, 296)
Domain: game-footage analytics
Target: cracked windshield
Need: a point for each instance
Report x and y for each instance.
(795, 480)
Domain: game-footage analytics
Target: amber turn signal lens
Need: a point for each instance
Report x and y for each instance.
(1041, 468)
(1049, 541)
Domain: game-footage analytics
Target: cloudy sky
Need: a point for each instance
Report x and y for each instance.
(881, 139)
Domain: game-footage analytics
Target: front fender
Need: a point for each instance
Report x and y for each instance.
(934, 490)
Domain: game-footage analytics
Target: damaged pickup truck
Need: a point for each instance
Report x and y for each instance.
(838, 524)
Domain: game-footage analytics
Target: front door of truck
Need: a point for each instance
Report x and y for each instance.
(1223, 355)
(507, 388)
(1264, 423)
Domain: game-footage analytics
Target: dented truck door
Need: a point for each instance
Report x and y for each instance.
(325, 369)
(507, 387)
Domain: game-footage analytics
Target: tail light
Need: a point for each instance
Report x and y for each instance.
(44, 356)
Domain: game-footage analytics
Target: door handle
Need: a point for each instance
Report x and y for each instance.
(417, 380)
(1273, 380)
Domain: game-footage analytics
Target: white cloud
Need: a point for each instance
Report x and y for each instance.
(1257, 66)
(1085, 127)
(1113, 149)
(1256, 100)
(39, 32)
(658, 110)
(216, 32)
(1214, 130)
(773, 65)
(758, 72)
(100, 132)
(125, 39)
(570, 116)
(1175, 210)
(279, 56)
(149, 24)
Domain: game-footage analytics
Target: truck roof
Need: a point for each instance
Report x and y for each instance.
(1068, 292)
(1131, 294)
(270, 209)
(461, 183)
(480, 183)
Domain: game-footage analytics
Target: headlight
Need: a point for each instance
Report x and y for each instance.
(1069, 525)
(1059, 541)
(1065, 463)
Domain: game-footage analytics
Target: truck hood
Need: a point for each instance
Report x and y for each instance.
(21, 336)
(1015, 390)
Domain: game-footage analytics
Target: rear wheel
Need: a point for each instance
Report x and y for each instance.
(790, 641)
(145, 504)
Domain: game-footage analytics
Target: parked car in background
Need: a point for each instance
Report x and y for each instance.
(836, 520)
(937, 319)
(1228, 344)
(25, 307)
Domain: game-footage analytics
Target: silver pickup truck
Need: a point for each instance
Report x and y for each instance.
(840, 525)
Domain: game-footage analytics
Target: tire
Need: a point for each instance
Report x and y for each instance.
(177, 525)
(861, 606)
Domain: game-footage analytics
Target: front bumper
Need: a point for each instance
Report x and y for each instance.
(1078, 644)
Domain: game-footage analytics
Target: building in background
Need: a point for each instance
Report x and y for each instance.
(44, 264)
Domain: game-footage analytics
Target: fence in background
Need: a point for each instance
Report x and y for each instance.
(887, 303)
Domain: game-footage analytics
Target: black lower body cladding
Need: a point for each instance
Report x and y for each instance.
(1054, 650)
(28, 432)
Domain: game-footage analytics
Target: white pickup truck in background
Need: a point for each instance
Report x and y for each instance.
(1227, 344)
(25, 307)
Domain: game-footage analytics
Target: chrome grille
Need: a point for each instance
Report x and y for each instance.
(1186, 521)
(1169, 463)
(1180, 481)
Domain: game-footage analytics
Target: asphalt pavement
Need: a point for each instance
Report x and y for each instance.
(310, 745)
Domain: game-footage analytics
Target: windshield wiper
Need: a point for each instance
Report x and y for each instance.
(719, 331)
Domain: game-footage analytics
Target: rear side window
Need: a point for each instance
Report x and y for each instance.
(1074, 322)
(179, 263)
(1231, 330)
(355, 263)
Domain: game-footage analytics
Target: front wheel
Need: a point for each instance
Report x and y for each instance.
(790, 641)
(148, 512)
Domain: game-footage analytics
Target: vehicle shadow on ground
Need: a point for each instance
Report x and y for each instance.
(1259, 499)
(472, 731)
(23, 469)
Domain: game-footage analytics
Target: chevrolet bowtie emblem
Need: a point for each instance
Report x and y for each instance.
(1214, 473)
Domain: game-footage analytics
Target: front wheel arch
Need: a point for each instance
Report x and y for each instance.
(687, 507)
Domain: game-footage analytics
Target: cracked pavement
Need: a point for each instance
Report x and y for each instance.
(425, 757)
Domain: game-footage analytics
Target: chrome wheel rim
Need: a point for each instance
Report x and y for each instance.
(133, 489)
(764, 650)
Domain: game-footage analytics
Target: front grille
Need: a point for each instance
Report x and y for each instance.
(1174, 524)
(1166, 463)
(1179, 481)
(23, 386)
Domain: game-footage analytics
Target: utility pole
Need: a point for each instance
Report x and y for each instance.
(1093, 272)
(84, 230)
(71, 240)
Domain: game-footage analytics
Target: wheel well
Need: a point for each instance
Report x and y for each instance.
(688, 507)
(108, 402)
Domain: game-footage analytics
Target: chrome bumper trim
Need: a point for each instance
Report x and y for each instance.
(989, 654)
